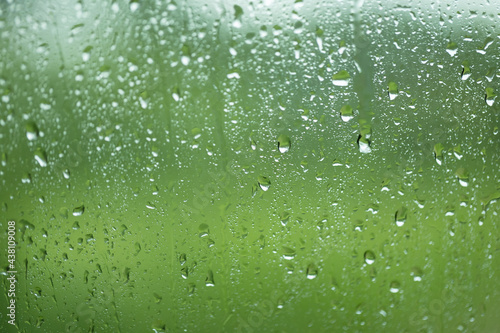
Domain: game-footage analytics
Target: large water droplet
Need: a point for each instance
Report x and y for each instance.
(346, 113)
(341, 78)
(364, 144)
(369, 257)
(78, 211)
(203, 228)
(41, 157)
(284, 143)
(490, 96)
(264, 183)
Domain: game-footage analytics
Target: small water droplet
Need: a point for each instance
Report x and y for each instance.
(284, 143)
(466, 73)
(182, 258)
(438, 153)
(463, 176)
(41, 157)
(264, 183)
(490, 96)
(191, 289)
(209, 281)
(369, 257)
(393, 90)
(157, 298)
(284, 217)
(26, 179)
(452, 48)
(341, 79)
(86, 53)
(184, 272)
(312, 271)
(32, 132)
(253, 144)
(417, 273)
(400, 216)
(134, 5)
(457, 151)
(394, 287)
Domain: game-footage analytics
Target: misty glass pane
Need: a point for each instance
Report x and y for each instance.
(250, 166)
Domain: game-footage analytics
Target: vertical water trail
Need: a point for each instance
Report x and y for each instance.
(363, 85)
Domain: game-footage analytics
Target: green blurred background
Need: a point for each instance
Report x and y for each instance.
(140, 160)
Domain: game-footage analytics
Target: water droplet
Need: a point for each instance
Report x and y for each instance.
(134, 5)
(312, 271)
(238, 13)
(438, 153)
(253, 144)
(364, 144)
(191, 289)
(490, 96)
(463, 177)
(400, 216)
(393, 90)
(184, 272)
(264, 183)
(209, 281)
(157, 298)
(346, 113)
(452, 48)
(26, 179)
(369, 257)
(41, 157)
(417, 274)
(457, 151)
(342, 47)
(284, 217)
(32, 131)
(86, 53)
(158, 326)
(466, 73)
(78, 211)
(182, 258)
(284, 143)
(394, 287)
(288, 253)
(203, 228)
(341, 78)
